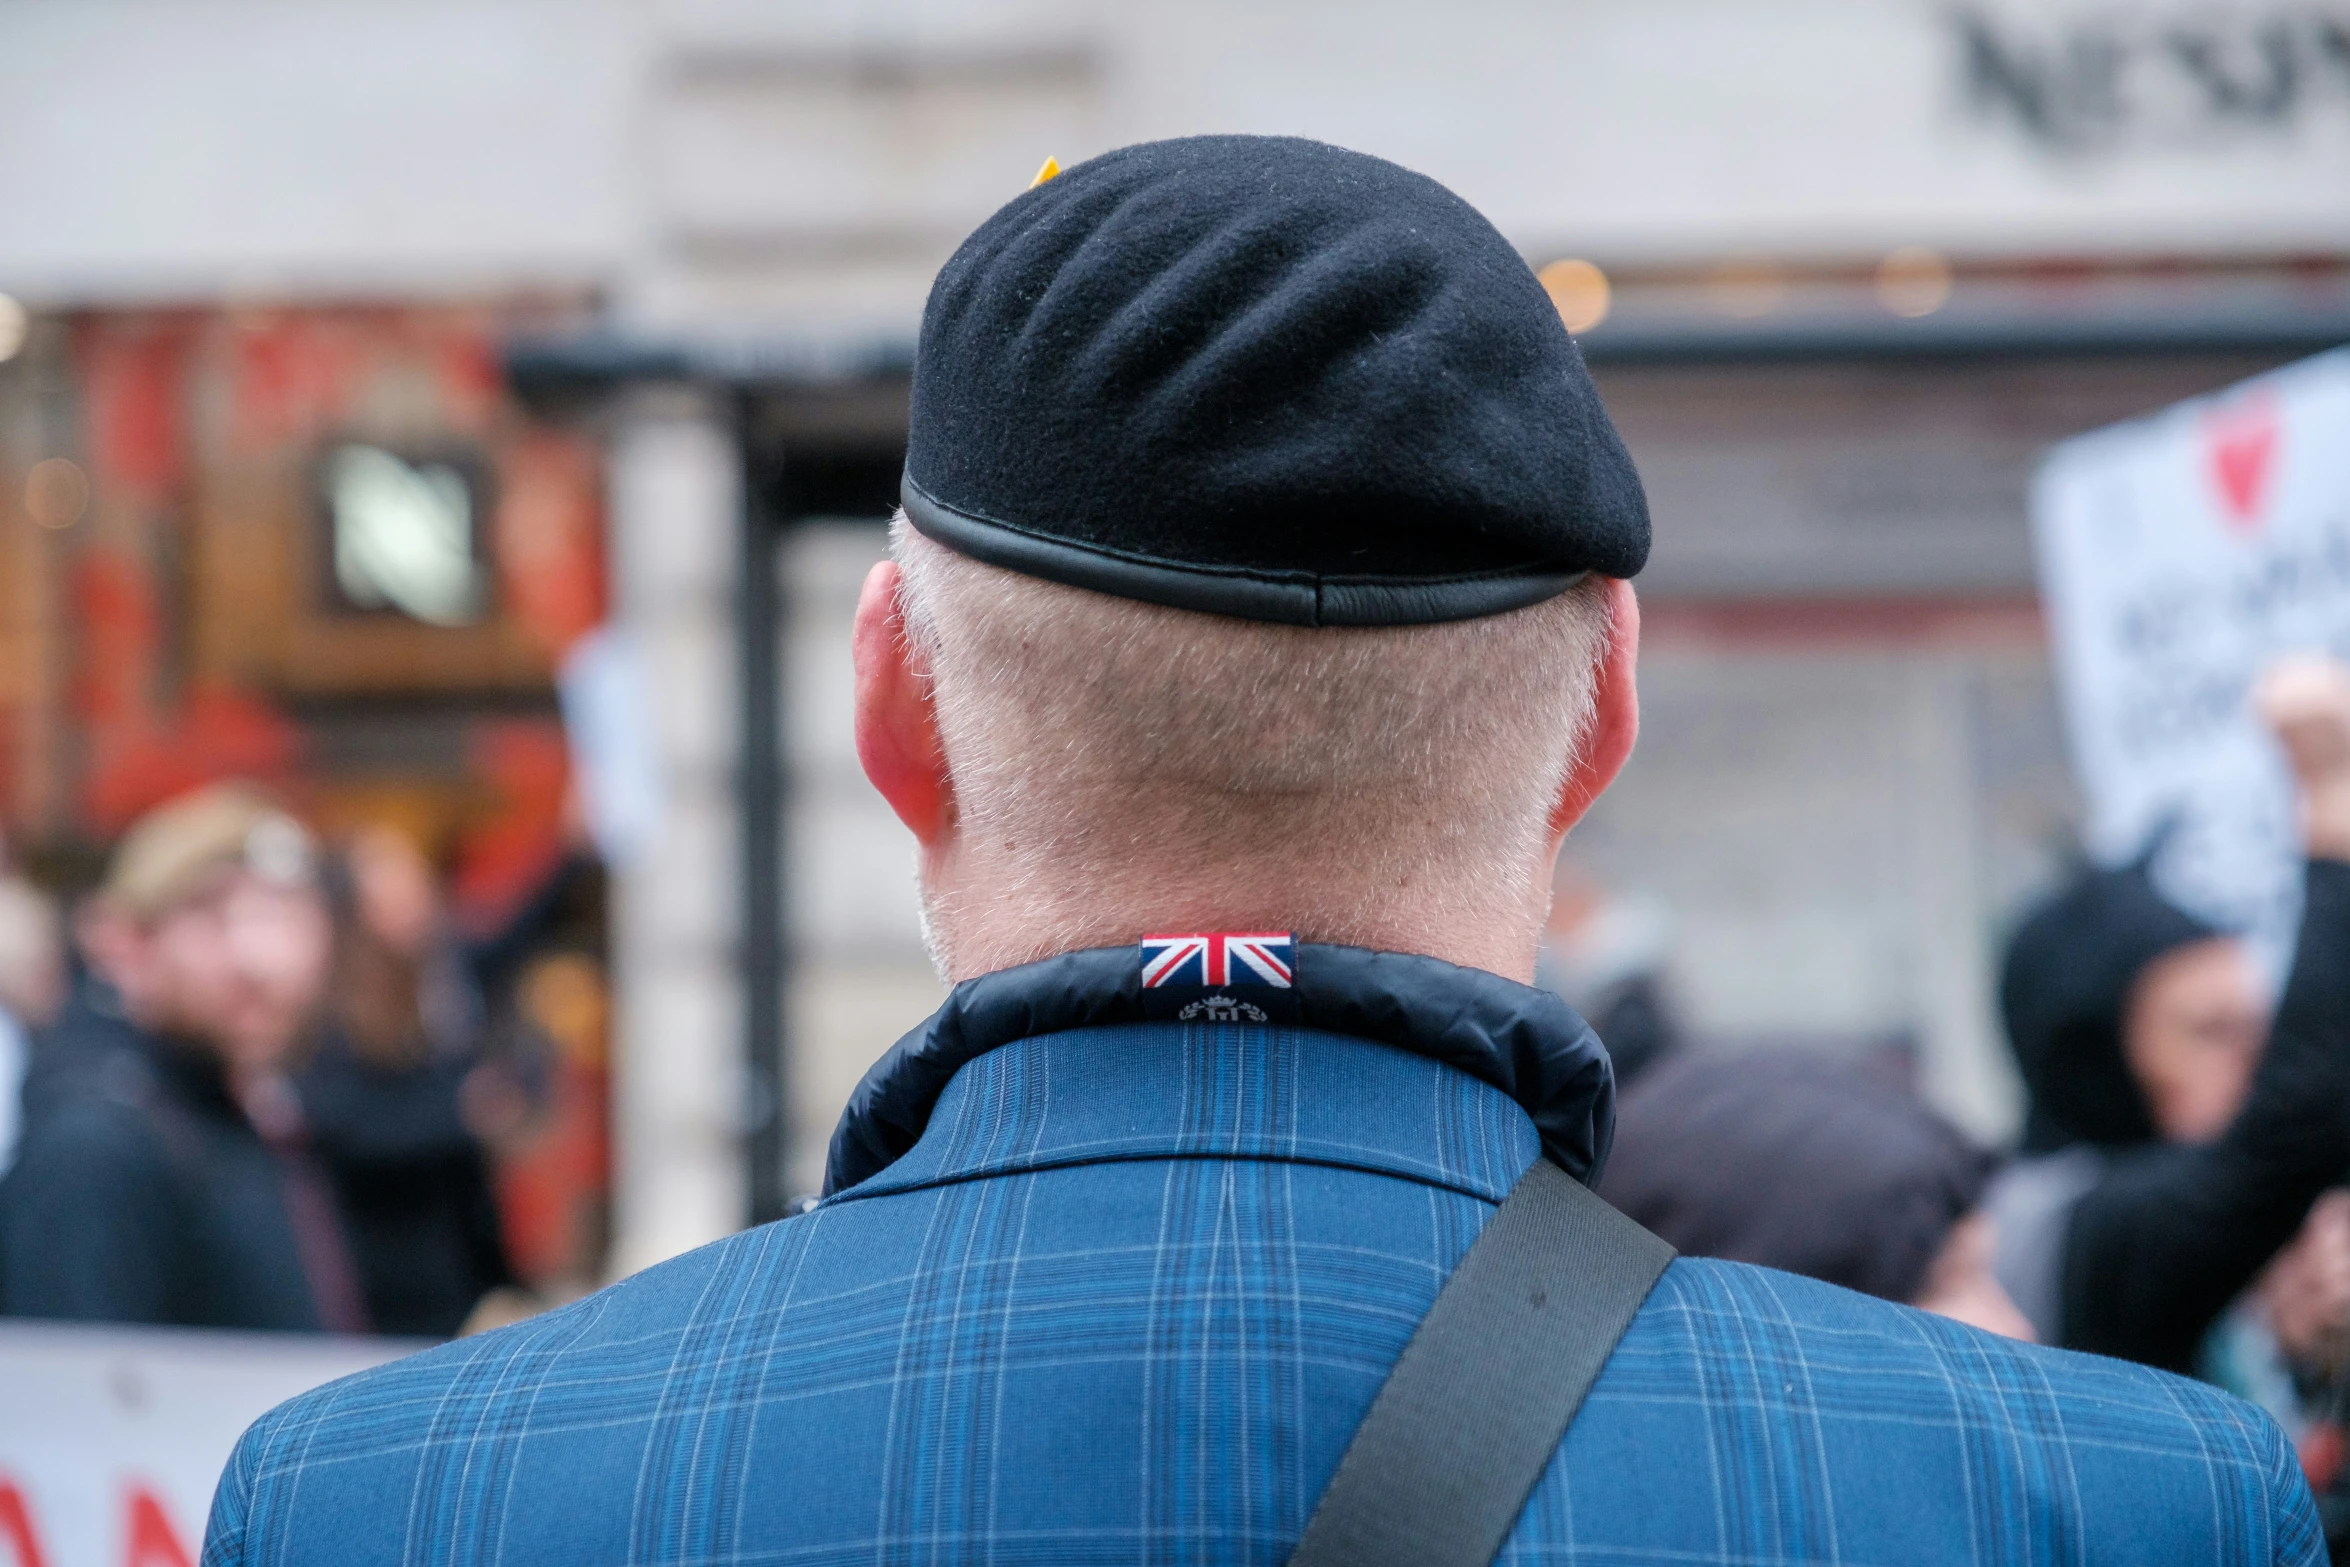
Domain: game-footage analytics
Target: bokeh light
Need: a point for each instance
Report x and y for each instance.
(1580, 290)
(56, 493)
(1913, 281)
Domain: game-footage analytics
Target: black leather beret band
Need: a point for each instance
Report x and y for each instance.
(1295, 598)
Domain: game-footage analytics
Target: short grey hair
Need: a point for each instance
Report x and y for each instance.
(1092, 730)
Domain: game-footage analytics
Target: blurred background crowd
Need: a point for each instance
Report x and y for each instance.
(440, 444)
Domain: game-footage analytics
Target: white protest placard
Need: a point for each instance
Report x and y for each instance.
(2179, 554)
(111, 1439)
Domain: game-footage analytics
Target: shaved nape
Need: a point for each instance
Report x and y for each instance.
(1103, 748)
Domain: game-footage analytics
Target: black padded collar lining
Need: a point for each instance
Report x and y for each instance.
(1524, 1041)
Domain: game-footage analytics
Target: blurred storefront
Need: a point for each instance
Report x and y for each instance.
(318, 546)
(1843, 267)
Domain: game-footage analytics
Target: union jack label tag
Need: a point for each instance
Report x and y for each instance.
(1220, 976)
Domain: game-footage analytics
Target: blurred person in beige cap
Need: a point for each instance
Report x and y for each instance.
(164, 1174)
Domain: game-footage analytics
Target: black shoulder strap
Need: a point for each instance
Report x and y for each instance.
(1475, 1408)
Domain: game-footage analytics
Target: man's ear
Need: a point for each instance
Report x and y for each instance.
(897, 728)
(1615, 715)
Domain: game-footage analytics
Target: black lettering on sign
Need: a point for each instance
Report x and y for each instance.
(2103, 80)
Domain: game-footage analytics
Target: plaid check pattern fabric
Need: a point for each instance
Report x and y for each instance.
(1126, 1301)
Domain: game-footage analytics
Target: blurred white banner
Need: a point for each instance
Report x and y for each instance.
(2178, 555)
(111, 1438)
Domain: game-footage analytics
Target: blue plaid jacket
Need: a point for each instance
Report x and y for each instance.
(1120, 1293)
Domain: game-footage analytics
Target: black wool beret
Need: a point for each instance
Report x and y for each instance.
(1266, 377)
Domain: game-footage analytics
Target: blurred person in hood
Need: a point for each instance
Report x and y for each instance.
(1792, 1162)
(2170, 1153)
(165, 1174)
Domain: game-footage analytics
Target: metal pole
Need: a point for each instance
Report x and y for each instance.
(760, 622)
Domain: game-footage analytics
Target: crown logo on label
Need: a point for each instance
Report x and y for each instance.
(1221, 1009)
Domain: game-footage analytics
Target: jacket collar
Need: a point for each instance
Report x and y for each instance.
(1524, 1042)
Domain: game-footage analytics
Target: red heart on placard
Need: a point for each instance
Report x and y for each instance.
(2241, 447)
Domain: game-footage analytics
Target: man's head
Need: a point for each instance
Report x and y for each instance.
(2130, 1018)
(394, 893)
(1261, 566)
(2191, 1032)
(211, 925)
(1796, 1162)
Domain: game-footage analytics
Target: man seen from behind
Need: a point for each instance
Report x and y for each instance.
(1258, 624)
